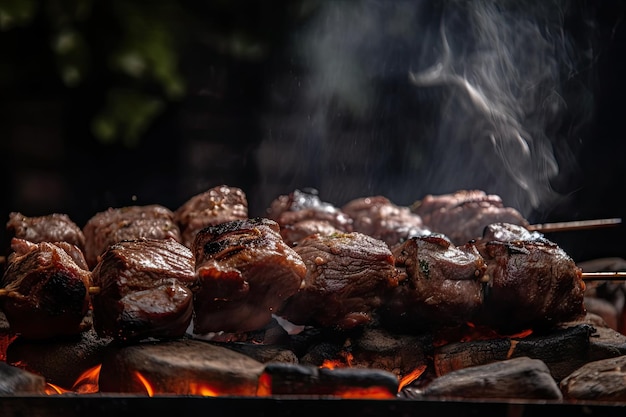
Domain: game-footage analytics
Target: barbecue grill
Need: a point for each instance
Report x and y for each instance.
(301, 99)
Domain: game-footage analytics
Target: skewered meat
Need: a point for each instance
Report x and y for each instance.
(378, 217)
(348, 275)
(54, 227)
(144, 290)
(441, 285)
(533, 284)
(45, 291)
(244, 272)
(302, 213)
(506, 232)
(463, 215)
(107, 227)
(218, 205)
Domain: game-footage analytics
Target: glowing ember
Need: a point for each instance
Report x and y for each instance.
(376, 393)
(339, 363)
(204, 390)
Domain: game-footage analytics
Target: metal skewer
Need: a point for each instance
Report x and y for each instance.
(574, 225)
(604, 276)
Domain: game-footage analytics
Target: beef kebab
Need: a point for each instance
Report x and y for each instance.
(302, 213)
(347, 276)
(214, 206)
(45, 289)
(152, 221)
(463, 215)
(53, 227)
(143, 290)
(244, 271)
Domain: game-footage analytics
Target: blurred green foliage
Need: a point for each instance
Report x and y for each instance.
(130, 49)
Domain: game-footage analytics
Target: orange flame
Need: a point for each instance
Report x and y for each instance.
(146, 384)
(87, 383)
(411, 376)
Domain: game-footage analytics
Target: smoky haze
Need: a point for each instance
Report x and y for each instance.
(405, 98)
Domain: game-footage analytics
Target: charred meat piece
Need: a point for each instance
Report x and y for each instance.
(442, 284)
(348, 276)
(302, 213)
(462, 216)
(533, 284)
(378, 217)
(218, 205)
(506, 232)
(45, 293)
(244, 272)
(143, 290)
(127, 223)
(54, 227)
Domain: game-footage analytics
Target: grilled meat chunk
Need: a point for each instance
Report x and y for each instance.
(378, 217)
(441, 284)
(506, 232)
(348, 275)
(533, 284)
(244, 272)
(54, 227)
(302, 213)
(45, 292)
(217, 205)
(144, 290)
(113, 225)
(463, 215)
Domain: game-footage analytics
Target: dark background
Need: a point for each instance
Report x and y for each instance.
(273, 96)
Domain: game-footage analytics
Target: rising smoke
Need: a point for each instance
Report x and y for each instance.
(405, 98)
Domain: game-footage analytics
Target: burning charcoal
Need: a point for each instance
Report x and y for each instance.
(533, 284)
(279, 379)
(516, 378)
(604, 342)
(347, 277)
(127, 223)
(61, 361)
(44, 292)
(378, 217)
(16, 381)
(143, 290)
(182, 367)
(562, 350)
(218, 205)
(302, 213)
(55, 227)
(603, 380)
(463, 215)
(441, 284)
(244, 272)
